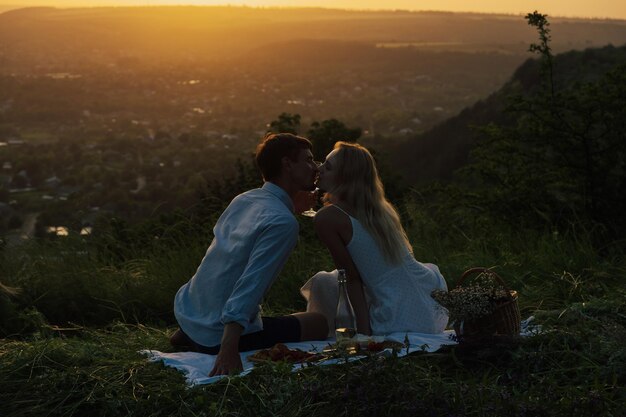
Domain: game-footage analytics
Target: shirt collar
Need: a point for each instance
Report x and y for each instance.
(280, 193)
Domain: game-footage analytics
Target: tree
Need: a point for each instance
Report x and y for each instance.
(286, 123)
(322, 134)
(325, 134)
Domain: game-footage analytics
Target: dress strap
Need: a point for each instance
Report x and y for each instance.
(342, 210)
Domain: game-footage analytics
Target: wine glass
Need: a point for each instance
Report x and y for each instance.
(311, 211)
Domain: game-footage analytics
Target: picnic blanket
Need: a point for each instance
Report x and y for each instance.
(196, 366)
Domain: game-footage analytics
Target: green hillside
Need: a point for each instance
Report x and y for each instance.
(439, 152)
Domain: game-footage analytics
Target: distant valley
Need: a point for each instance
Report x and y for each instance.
(92, 100)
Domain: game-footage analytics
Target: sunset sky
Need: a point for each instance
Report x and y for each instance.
(615, 9)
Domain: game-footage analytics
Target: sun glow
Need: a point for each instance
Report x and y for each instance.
(569, 8)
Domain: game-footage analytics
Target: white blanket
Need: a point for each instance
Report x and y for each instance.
(196, 366)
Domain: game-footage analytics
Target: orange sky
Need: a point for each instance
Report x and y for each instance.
(579, 8)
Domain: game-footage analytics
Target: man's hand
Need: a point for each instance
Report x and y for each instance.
(228, 360)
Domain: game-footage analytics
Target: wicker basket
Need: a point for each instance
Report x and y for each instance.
(504, 320)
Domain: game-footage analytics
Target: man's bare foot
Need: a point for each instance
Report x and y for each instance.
(181, 341)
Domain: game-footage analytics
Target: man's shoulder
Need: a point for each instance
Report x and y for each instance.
(268, 208)
(253, 197)
(257, 194)
(250, 193)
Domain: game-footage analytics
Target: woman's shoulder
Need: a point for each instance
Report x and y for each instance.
(332, 221)
(331, 216)
(331, 213)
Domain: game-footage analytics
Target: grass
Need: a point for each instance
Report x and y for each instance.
(577, 367)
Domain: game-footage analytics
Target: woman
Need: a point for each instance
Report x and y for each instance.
(388, 288)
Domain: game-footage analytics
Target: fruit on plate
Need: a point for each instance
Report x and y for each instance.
(363, 344)
(280, 352)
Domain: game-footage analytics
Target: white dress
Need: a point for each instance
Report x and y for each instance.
(398, 296)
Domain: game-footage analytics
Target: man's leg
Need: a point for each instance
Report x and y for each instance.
(286, 329)
(181, 341)
(293, 328)
(313, 326)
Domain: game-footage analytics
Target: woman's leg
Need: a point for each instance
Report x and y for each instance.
(322, 293)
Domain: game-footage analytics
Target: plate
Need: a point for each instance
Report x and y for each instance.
(281, 353)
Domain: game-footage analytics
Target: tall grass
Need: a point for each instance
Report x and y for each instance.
(99, 281)
(549, 268)
(86, 282)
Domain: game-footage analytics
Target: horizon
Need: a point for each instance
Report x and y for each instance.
(559, 8)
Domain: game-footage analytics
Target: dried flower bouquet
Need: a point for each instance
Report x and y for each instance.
(484, 306)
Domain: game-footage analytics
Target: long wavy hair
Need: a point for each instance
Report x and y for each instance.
(357, 183)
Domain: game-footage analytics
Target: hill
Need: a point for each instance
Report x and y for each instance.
(439, 152)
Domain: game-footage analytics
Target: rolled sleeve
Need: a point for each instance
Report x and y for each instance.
(269, 254)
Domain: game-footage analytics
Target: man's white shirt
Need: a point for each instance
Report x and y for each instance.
(253, 238)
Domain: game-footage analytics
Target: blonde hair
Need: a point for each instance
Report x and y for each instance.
(357, 183)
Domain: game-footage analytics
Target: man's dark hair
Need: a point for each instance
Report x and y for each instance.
(274, 147)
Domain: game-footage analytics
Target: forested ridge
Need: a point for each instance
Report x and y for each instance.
(439, 152)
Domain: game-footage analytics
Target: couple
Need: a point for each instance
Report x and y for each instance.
(218, 309)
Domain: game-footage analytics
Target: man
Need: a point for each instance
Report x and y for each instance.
(218, 309)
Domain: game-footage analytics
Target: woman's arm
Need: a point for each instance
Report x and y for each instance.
(334, 230)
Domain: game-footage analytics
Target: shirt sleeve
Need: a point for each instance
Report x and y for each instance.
(269, 254)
